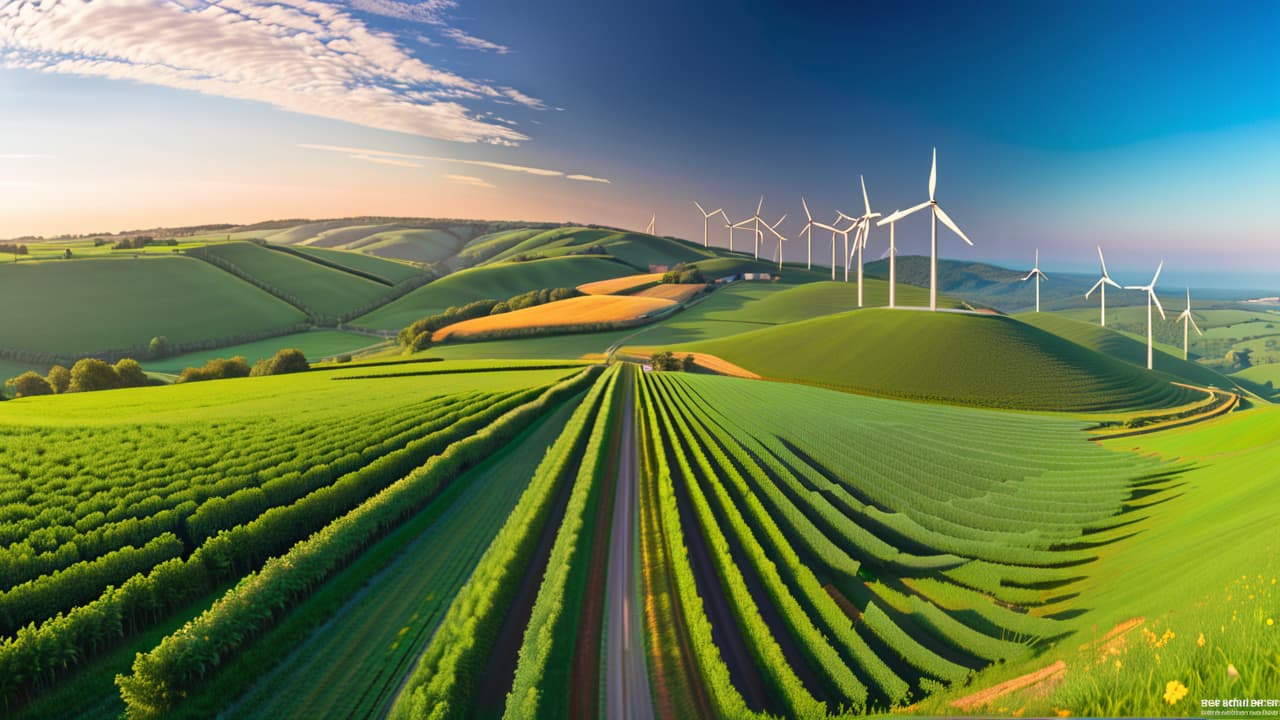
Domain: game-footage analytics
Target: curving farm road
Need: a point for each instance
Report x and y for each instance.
(627, 693)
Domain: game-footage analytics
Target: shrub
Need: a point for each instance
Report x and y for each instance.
(89, 374)
(216, 369)
(159, 347)
(288, 360)
(59, 378)
(30, 383)
(130, 373)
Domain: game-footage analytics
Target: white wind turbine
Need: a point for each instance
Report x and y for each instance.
(892, 220)
(1101, 286)
(1035, 273)
(864, 230)
(740, 225)
(1187, 323)
(652, 221)
(758, 220)
(706, 218)
(1151, 298)
(774, 229)
(937, 214)
(807, 231)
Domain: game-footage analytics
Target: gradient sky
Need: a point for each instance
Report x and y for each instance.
(1152, 128)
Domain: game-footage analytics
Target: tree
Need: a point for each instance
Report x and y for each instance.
(130, 373)
(59, 378)
(216, 369)
(159, 347)
(30, 383)
(666, 361)
(89, 374)
(288, 360)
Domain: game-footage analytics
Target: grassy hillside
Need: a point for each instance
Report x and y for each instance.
(486, 246)
(497, 282)
(322, 290)
(412, 244)
(949, 357)
(82, 306)
(389, 270)
(1123, 347)
(636, 249)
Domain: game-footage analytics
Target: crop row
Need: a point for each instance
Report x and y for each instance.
(442, 683)
(541, 685)
(163, 676)
(31, 659)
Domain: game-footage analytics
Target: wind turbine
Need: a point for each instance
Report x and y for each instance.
(807, 231)
(864, 230)
(1035, 273)
(1101, 286)
(652, 220)
(893, 255)
(758, 220)
(938, 214)
(1187, 323)
(1151, 298)
(741, 224)
(774, 229)
(706, 217)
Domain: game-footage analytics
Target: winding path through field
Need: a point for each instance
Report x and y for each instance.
(627, 693)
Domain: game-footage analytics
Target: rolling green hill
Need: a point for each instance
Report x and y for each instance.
(1123, 347)
(83, 306)
(321, 290)
(389, 270)
(949, 357)
(636, 249)
(422, 245)
(497, 282)
(486, 246)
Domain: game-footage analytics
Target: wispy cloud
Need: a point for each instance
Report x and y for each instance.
(385, 160)
(398, 158)
(471, 42)
(306, 56)
(469, 180)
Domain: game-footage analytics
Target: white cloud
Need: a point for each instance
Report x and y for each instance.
(523, 99)
(385, 160)
(385, 155)
(471, 42)
(469, 180)
(305, 56)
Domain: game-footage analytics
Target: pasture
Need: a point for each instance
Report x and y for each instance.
(320, 290)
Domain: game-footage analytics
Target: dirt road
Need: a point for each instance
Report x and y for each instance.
(627, 693)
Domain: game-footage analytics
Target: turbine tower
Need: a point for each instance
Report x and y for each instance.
(758, 220)
(706, 218)
(1187, 323)
(863, 224)
(807, 231)
(1101, 286)
(893, 256)
(1151, 298)
(937, 214)
(1035, 273)
(774, 229)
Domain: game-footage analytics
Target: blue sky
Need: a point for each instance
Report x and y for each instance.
(1151, 128)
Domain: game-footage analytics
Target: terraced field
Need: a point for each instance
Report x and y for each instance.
(827, 552)
(946, 357)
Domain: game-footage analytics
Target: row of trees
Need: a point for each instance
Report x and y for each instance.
(417, 336)
(684, 275)
(667, 360)
(288, 360)
(86, 375)
(13, 248)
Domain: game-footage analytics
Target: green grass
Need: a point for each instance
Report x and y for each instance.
(389, 270)
(954, 358)
(497, 282)
(1261, 374)
(353, 664)
(347, 235)
(1122, 346)
(486, 246)
(315, 344)
(635, 249)
(414, 245)
(81, 306)
(323, 290)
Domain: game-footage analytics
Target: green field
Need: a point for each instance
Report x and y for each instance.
(82, 306)
(496, 282)
(414, 245)
(315, 344)
(389, 270)
(322, 290)
(946, 357)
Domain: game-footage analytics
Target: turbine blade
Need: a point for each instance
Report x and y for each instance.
(933, 174)
(1156, 277)
(760, 205)
(946, 220)
(1103, 261)
(1029, 276)
(1194, 325)
(1095, 287)
(1111, 282)
(807, 214)
(701, 210)
(1156, 299)
(865, 200)
(899, 214)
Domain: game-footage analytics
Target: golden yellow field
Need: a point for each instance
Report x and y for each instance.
(613, 286)
(573, 311)
(667, 291)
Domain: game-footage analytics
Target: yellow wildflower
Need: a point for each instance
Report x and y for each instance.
(1118, 664)
(1200, 640)
(1174, 691)
(1062, 713)
(1232, 672)
(1270, 622)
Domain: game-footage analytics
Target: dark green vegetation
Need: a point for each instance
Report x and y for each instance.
(389, 271)
(948, 357)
